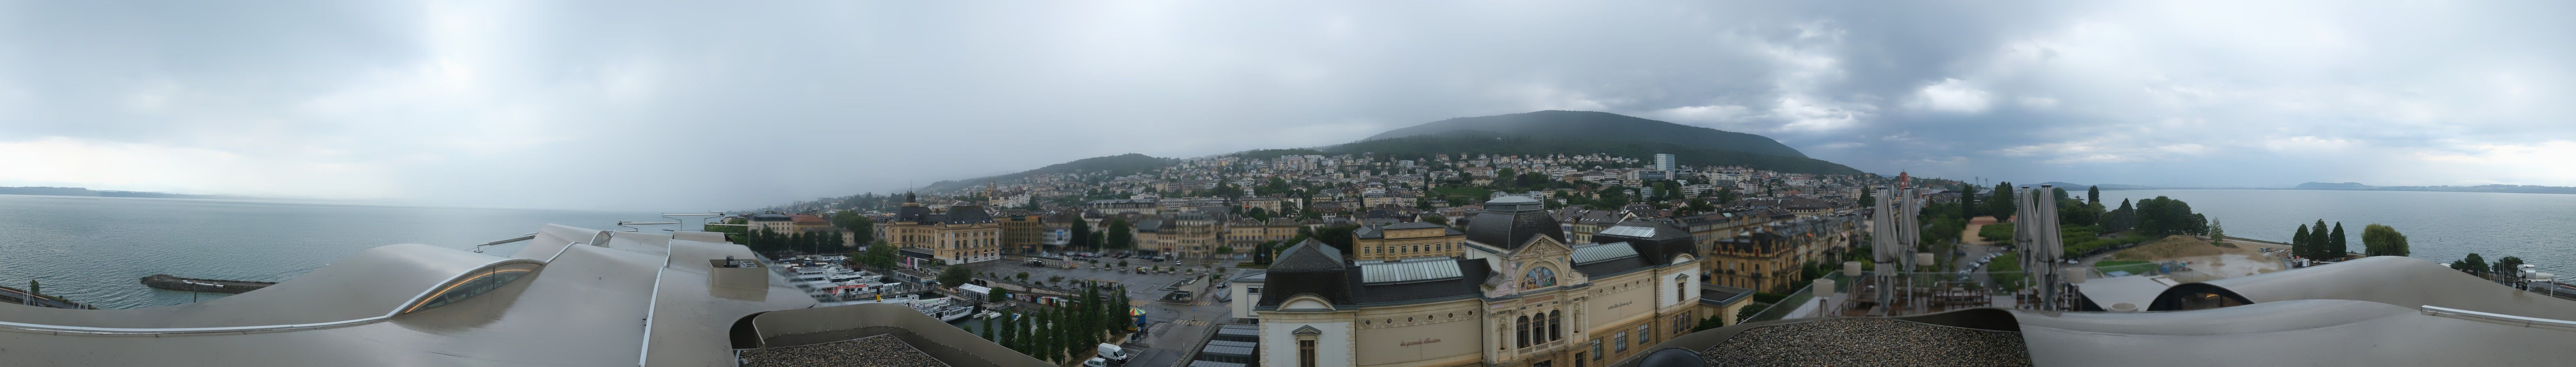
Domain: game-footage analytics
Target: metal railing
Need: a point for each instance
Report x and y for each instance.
(2525, 321)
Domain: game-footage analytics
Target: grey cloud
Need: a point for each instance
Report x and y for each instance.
(686, 106)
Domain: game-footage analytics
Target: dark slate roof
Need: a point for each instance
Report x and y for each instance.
(1719, 295)
(910, 213)
(1510, 221)
(1315, 268)
(1310, 255)
(1658, 240)
(966, 214)
(1412, 225)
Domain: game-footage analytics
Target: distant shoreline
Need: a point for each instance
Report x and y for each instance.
(2558, 190)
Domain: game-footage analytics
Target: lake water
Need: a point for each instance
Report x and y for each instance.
(95, 249)
(2439, 226)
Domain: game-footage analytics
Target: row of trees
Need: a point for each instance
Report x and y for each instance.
(2473, 264)
(1062, 333)
(772, 242)
(2319, 243)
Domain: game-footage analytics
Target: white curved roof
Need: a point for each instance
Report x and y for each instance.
(641, 300)
(372, 283)
(2320, 332)
(2396, 280)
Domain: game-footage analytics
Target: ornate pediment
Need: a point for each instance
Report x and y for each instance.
(1306, 330)
(1541, 246)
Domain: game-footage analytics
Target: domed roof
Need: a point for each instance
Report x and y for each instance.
(1510, 221)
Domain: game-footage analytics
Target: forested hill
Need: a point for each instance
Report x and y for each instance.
(1116, 165)
(1532, 133)
(1600, 126)
(1480, 142)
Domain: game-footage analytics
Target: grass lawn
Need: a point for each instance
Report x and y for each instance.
(2006, 270)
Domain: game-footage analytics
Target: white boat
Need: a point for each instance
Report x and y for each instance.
(946, 309)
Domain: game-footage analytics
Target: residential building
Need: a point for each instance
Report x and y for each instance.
(810, 223)
(772, 222)
(962, 234)
(1407, 240)
(1023, 232)
(1148, 206)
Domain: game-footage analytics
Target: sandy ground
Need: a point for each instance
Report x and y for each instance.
(2240, 258)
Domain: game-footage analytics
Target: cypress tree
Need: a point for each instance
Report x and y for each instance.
(1967, 200)
(2299, 243)
(1009, 338)
(1051, 343)
(2335, 242)
(2317, 241)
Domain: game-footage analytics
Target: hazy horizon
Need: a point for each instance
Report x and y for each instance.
(683, 106)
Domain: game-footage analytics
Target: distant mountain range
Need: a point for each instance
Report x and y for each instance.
(77, 191)
(1531, 133)
(2080, 187)
(1603, 126)
(2354, 186)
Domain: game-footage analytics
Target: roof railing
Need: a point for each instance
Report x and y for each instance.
(2526, 321)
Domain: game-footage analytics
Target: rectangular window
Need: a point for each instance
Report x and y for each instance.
(1621, 345)
(1596, 350)
(1306, 353)
(1645, 333)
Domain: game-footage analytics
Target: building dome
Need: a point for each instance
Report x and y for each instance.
(1509, 221)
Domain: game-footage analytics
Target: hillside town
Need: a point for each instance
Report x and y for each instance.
(1229, 207)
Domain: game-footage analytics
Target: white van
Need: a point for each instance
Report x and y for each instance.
(1113, 352)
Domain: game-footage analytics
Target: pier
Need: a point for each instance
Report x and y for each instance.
(166, 281)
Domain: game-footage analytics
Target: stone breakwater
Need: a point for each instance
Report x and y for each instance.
(166, 281)
(1868, 342)
(881, 350)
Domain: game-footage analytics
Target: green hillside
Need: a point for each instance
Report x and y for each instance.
(1116, 165)
(1479, 142)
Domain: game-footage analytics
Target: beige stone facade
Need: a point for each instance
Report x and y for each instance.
(962, 234)
(1407, 240)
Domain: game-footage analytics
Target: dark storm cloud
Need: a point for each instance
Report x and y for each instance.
(692, 107)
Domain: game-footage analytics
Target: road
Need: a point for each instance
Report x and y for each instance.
(1975, 248)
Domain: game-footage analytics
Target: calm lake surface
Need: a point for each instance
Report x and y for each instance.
(2439, 226)
(95, 249)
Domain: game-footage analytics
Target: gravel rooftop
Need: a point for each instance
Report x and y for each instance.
(881, 350)
(1868, 342)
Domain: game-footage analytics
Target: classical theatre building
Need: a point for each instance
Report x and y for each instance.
(1517, 296)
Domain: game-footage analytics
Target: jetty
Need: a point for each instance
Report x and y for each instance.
(166, 281)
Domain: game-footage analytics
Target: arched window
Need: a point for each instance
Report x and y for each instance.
(1522, 338)
(1555, 325)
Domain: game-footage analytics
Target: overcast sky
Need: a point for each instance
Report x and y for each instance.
(638, 105)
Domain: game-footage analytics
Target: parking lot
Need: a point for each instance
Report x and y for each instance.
(1177, 326)
(1144, 286)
